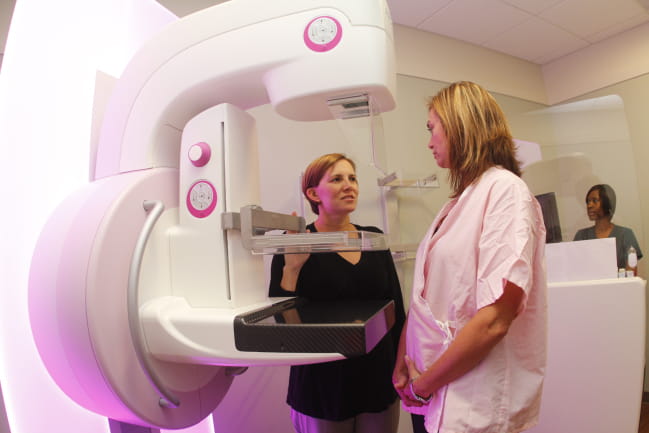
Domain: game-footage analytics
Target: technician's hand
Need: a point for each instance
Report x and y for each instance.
(293, 263)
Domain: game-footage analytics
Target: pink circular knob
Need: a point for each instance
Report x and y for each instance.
(199, 154)
(323, 33)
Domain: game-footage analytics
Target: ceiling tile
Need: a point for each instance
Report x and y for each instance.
(588, 17)
(413, 12)
(536, 40)
(465, 20)
(618, 28)
(533, 7)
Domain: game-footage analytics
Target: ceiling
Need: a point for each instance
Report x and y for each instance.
(539, 31)
(536, 30)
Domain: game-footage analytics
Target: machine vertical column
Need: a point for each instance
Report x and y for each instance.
(218, 173)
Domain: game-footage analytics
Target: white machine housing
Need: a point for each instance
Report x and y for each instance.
(135, 283)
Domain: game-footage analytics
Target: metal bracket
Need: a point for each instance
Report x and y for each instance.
(252, 221)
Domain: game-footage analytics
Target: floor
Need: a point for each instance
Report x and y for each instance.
(644, 418)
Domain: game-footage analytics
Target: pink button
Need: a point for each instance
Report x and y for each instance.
(199, 154)
(323, 33)
(201, 199)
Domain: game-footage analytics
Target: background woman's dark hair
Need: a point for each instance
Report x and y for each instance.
(606, 197)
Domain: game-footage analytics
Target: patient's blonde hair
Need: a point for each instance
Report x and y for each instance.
(477, 133)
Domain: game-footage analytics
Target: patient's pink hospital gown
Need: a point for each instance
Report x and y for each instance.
(491, 233)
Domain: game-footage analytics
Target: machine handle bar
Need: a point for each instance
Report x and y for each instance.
(155, 209)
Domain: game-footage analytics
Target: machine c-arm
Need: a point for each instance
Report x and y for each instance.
(247, 53)
(143, 289)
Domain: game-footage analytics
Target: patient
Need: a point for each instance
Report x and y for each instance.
(353, 395)
(600, 205)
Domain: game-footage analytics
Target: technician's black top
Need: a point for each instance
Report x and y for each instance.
(339, 390)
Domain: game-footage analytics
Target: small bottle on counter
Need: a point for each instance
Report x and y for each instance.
(632, 262)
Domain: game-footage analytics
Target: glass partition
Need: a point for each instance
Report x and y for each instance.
(581, 144)
(587, 143)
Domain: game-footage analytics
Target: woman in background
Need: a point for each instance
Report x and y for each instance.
(473, 351)
(356, 394)
(600, 206)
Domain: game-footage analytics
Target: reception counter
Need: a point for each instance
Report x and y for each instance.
(596, 351)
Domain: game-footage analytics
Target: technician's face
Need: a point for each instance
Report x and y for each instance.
(337, 192)
(438, 142)
(594, 206)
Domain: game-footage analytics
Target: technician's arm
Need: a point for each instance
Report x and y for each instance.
(473, 343)
(291, 272)
(292, 266)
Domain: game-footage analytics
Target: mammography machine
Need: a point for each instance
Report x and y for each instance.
(147, 291)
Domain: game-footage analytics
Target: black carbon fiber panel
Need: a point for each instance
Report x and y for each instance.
(351, 328)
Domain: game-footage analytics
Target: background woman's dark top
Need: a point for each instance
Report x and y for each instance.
(624, 238)
(342, 389)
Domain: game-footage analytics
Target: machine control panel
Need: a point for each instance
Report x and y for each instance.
(323, 33)
(201, 199)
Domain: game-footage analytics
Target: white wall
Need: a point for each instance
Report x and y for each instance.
(611, 61)
(426, 55)
(602, 64)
